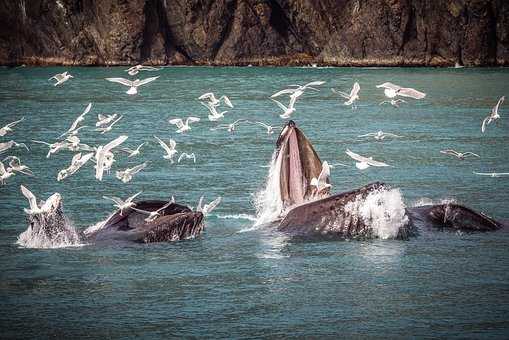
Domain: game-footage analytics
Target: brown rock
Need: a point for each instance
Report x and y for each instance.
(258, 32)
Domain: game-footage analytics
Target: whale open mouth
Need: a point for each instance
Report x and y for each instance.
(298, 163)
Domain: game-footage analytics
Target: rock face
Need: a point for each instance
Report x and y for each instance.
(258, 32)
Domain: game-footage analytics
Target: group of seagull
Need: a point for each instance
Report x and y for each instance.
(103, 155)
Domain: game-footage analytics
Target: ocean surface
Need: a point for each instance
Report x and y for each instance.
(236, 280)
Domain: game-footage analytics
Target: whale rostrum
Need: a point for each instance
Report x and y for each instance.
(355, 213)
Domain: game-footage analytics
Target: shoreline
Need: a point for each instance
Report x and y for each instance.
(258, 62)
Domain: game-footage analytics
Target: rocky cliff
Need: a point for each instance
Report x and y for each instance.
(258, 32)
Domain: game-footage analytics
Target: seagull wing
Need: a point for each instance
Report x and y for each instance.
(164, 145)
(227, 101)
(199, 206)
(280, 105)
(325, 173)
(355, 90)
(471, 154)
(368, 134)
(314, 83)
(138, 168)
(285, 91)
(177, 121)
(117, 200)
(207, 95)
(494, 110)
(356, 156)
(122, 81)
(147, 68)
(144, 81)
(114, 143)
(341, 93)
(192, 120)
(76, 158)
(412, 93)
(10, 125)
(207, 208)
(484, 122)
(130, 199)
(388, 85)
(31, 198)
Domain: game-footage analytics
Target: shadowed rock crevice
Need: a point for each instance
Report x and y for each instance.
(259, 32)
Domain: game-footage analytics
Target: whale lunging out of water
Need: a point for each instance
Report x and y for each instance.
(375, 210)
(50, 228)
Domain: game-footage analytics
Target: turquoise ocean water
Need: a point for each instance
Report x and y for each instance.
(235, 280)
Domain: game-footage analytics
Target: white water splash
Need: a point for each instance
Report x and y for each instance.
(238, 217)
(383, 211)
(68, 236)
(423, 201)
(268, 202)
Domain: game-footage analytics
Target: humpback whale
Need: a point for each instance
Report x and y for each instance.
(304, 212)
(50, 227)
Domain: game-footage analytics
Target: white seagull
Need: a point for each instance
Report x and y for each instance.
(299, 88)
(123, 205)
(364, 162)
(50, 203)
(183, 127)
(379, 135)
(459, 155)
(73, 130)
(321, 183)
(7, 145)
(61, 78)
(76, 163)
(152, 215)
(170, 149)
(104, 156)
(187, 156)
(352, 97)
(15, 165)
(8, 128)
(133, 84)
(127, 174)
(109, 127)
(493, 115)
(287, 111)
(391, 90)
(213, 101)
(132, 71)
(53, 147)
(207, 208)
(134, 152)
(103, 120)
(5, 173)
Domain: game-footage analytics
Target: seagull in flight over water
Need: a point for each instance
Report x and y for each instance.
(104, 156)
(183, 127)
(187, 156)
(459, 155)
(127, 174)
(213, 101)
(352, 97)
(133, 84)
(170, 149)
(132, 71)
(61, 78)
(364, 162)
(8, 128)
(391, 90)
(123, 205)
(493, 115)
(73, 130)
(379, 135)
